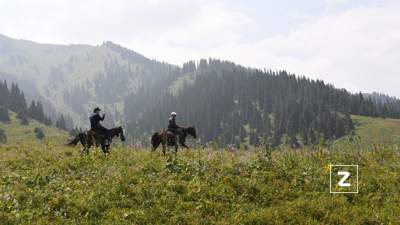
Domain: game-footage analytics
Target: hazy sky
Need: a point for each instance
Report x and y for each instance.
(354, 44)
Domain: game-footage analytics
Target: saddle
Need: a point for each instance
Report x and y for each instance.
(171, 137)
(92, 132)
(97, 134)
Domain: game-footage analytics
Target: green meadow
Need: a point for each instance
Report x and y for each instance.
(44, 182)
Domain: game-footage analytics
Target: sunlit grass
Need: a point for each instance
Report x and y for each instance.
(61, 186)
(53, 184)
(18, 134)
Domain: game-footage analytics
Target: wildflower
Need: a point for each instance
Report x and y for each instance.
(327, 168)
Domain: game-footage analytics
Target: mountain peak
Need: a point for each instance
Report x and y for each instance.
(125, 52)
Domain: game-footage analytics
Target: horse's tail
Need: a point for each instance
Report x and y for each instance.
(75, 141)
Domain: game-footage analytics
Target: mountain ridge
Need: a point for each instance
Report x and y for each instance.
(131, 89)
(49, 76)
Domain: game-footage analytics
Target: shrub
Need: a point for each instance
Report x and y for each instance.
(39, 133)
(3, 137)
(21, 115)
(4, 116)
(24, 121)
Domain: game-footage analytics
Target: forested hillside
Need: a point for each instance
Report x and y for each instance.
(74, 79)
(228, 103)
(21, 122)
(13, 99)
(233, 104)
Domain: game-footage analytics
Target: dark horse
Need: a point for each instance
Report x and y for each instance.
(90, 138)
(167, 138)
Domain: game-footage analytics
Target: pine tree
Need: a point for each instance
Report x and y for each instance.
(61, 123)
(4, 94)
(24, 121)
(39, 133)
(3, 137)
(4, 115)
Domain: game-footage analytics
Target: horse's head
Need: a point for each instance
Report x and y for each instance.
(121, 135)
(191, 131)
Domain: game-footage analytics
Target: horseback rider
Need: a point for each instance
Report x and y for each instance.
(172, 126)
(95, 120)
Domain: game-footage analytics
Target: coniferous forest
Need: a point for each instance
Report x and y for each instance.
(230, 104)
(13, 99)
(227, 103)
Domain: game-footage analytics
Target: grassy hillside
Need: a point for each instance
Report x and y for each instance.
(370, 133)
(71, 78)
(58, 185)
(24, 134)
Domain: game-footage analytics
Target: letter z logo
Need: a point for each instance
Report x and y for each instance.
(343, 179)
(346, 176)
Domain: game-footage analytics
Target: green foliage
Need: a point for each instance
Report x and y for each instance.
(60, 123)
(3, 137)
(4, 115)
(24, 121)
(39, 133)
(370, 133)
(18, 133)
(52, 184)
(14, 99)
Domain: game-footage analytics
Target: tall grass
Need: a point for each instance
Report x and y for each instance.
(46, 184)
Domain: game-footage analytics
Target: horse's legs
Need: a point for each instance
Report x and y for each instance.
(85, 144)
(105, 147)
(89, 142)
(155, 146)
(87, 147)
(182, 141)
(163, 148)
(176, 148)
(184, 145)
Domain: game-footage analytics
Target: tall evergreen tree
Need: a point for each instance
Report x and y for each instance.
(3, 137)
(61, 124)
(4, 115)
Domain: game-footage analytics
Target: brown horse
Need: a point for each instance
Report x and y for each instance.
(90, 138)
(167, 138)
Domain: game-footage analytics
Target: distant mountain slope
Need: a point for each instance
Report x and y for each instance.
(228, 103)
(73, 79)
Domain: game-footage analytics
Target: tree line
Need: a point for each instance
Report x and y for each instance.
(13, 99)
(230, 104)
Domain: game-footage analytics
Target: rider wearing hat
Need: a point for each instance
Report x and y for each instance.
(95, 120)
(172, 126)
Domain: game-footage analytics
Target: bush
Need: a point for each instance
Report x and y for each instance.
(21, 115)
(24, 121)
(39, 133)
(4, 116)
(3, 137)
